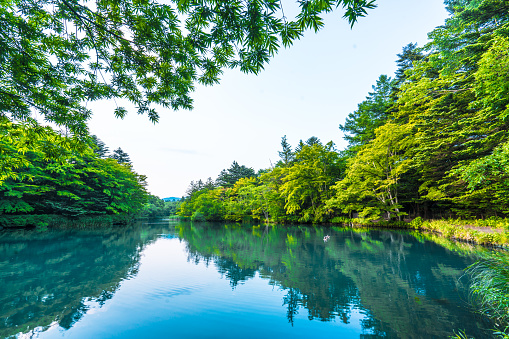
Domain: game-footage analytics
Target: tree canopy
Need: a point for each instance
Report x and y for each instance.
(71, 184)
(57, 55)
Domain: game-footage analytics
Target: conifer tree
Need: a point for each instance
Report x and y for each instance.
(286, 155)
(121, 157)
(228, 177)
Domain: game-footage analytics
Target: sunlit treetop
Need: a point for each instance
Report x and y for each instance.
(55, 55)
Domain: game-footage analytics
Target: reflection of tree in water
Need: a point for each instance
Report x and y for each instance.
(400, 286)
(51, 277)
(233, 272)
(292, 300)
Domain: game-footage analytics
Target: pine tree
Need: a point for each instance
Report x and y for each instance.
(286, 155)
(228, 177)
(121, 156)
(406, 61)
(100, 148)
(360, 125)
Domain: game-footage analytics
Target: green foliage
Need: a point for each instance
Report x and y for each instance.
(157, 207)
(306, 184)
(372, 113)
(58, 55)
(121, 157)
(99, 147)
(456, 102)
(71, 184)
(451, 101)
(432, 143)
(490, 288)
(371, 182)
(295, 190)
(406, 61)
(228, 177)
(204, 204)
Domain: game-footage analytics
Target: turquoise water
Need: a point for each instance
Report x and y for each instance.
(179, 280)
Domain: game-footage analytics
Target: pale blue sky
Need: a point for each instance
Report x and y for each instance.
(306, 90)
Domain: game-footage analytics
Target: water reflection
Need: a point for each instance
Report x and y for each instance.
(393, 284)
(52, 277)
(404, 287)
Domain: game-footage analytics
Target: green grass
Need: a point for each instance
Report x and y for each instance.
(497, 233)
(490, 289)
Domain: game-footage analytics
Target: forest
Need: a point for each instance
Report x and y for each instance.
(51, 181)
(58, 56)
(430, 142)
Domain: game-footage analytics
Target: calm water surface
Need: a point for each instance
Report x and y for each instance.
(179, 280)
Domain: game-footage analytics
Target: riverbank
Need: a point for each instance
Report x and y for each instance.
(45, 221)
(487, 232)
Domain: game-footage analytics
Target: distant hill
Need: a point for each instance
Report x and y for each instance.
(171, 199)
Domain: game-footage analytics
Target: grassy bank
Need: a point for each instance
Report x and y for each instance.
(489, 232)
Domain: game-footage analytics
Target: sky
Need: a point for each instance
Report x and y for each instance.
(307, 90)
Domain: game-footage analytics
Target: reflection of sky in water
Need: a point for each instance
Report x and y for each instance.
(172, 297)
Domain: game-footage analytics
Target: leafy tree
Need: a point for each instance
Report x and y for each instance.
(306, 184)
(57, 55)
(16, 140)
(228, 177)
(204, 205)
(488, 181)
(371, 184)
(82, 184)
(457, 101)
(271, 181)
(247, 201)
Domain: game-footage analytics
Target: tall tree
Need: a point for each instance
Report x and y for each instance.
(406, 61)
(457, 100)
(99, 147)
(286, 155)
(306, 184)
(360, 125)
(371, 184)
(194, 187)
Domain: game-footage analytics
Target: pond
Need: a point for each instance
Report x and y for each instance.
(181, 280)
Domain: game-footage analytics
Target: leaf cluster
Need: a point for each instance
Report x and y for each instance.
(57, 55)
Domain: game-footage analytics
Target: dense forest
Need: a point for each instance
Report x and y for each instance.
(430, 142)
(54, 177)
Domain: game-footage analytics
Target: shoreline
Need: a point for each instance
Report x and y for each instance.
(490, 232)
